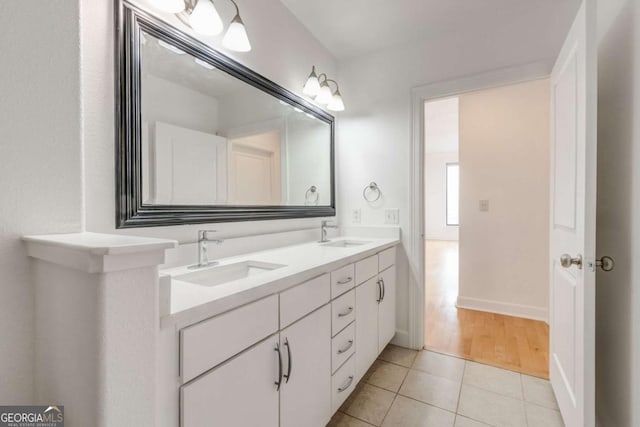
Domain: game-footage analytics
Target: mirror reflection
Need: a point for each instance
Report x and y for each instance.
(209, 138)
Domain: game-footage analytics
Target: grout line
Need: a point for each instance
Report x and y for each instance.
(389, 409)
(464, 368)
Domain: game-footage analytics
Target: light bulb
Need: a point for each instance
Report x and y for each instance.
(312, 86)
(236, 37)
(336, 103)
(169, 6)
(325, 95)
(205, 19)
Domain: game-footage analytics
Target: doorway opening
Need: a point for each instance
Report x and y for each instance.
(486, 201)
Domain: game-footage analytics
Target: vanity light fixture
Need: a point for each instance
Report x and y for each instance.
(203, 17)
(317, 88)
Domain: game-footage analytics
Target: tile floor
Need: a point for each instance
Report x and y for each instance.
(406, 388)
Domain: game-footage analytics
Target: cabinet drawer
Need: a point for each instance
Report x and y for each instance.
(211, 342)
(386, 258)
(301, 300)
(343, 312)
(343, 383)
(342, 280)
(366, 269)
(343, 346)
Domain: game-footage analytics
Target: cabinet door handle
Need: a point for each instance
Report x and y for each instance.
(384, 289)
(345, 281)
(379, 292)
(346, 385)
(287, 376)
(346, 313)
(279, 381)
(344, 350)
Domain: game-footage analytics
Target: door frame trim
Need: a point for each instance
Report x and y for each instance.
(419, 95)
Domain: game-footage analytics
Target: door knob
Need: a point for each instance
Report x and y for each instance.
(606, 263)
(567, 261)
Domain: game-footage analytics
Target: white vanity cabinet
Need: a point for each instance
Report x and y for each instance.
(305, 398)
(241, 392)
(375, 308)
(292, 358)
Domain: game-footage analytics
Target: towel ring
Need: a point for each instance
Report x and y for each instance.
(373, 188)
(312, 190)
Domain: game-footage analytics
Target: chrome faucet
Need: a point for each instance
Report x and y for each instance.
(324, 225)
(203, 258)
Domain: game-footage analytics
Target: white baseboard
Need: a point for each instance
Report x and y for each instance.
(517, 310)
(401, 339)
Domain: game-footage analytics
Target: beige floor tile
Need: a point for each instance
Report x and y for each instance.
(431, 389)
(410, 413)
(398, 355)
(467, 422)
(493, 379)
(441, 365)
(491, 408)
(538, 391)
(387, 375)
(538, 416)
(369, 404)
(343, 420)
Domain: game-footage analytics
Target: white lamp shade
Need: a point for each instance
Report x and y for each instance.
(325, 95)
(336, 103)
(169, 6)
(205, 19)
(236, 37)
(312, 86)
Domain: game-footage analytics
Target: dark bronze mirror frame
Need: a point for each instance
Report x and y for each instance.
(131, 212)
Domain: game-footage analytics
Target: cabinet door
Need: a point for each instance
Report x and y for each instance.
(305, 396)
(221, 397)
(387, 308)
(367, 296)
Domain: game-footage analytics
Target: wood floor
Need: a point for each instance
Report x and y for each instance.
(513, 343)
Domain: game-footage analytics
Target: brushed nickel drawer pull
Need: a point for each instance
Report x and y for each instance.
(345, 281)
(346, 313)
(347, 384)
(344, 350)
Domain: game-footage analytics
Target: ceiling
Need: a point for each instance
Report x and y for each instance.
(350, 28)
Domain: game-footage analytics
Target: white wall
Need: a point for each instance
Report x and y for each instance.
(374, 135)
(168, 102)
(618, 219)
(504, 158)
(283, 51)
(40, 171)
(435, 177)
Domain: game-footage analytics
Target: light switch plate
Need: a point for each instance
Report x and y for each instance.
(356, 216)
(392, 216)
(484, 206)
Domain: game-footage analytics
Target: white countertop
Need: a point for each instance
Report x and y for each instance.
(191, 303)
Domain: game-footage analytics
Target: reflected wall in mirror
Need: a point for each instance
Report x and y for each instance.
(208, 140)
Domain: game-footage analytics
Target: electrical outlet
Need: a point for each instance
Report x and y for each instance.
(484, 206)
(392, 216)
(356, 216)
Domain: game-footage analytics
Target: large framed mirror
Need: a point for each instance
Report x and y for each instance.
(202, 138)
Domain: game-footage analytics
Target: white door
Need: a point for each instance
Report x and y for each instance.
(367, 298)
(305, 395)
(254, 169)
(387, 308)
(573, 208)
(241, 393)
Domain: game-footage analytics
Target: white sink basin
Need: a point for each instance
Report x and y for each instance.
(345, 243)
(222, 274)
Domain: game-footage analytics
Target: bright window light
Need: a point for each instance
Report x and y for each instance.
(453, 193)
